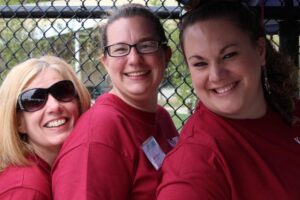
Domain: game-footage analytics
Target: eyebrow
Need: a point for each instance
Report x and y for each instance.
(221, 51)
(143, 39)
(228, 46)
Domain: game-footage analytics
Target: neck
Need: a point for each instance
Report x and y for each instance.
(47, 154)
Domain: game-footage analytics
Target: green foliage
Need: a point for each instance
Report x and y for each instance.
(21, 39)
(154, 2)
(15, 42)
(179, 76)
(16, 2)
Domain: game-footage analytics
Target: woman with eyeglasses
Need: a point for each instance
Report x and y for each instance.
(243, 140)
(116, 150)
(40, 101)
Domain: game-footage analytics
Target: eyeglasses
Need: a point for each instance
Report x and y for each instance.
(123, 49)
(35, 99)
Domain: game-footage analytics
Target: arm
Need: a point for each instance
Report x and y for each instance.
(193, 172)
(24, 194)
(91, 172)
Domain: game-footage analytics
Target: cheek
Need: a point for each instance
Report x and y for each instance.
(158, 60)
(198, 80)
(30, 122)
(113, 65)
(251, 70)
(196, 75)
(161, 67)
(73, 110)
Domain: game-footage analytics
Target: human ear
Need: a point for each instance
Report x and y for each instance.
(21, 124)
(103, 60)
(261, 44)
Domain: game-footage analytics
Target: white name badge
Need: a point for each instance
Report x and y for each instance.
(153, 152)
(173, 141)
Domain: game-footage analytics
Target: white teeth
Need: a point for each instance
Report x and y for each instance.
(56, 123)
(135, 74)
(224, 89)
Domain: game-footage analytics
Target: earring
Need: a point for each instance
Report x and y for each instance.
(266, 80)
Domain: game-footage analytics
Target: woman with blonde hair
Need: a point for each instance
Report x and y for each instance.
(40, 101)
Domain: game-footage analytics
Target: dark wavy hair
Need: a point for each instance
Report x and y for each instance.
(282, 73)
(133, 10)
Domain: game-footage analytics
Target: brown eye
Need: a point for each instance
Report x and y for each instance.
(230, 55)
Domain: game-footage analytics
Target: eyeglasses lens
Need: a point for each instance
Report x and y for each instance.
(34, 99)
(123, 49)
(63, 91)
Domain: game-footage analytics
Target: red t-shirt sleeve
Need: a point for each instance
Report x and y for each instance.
(192, 172)
(24, 194)
(99, 174)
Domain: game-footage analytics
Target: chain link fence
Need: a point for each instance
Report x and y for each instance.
(71, 30)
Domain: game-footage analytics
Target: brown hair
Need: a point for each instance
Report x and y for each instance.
(133, 10)
(282, 73)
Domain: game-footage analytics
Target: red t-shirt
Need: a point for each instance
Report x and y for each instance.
(103, 158)
(26, 182)
(218, 158)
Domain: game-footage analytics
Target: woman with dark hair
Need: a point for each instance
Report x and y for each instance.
(243, 139)
(116, 149)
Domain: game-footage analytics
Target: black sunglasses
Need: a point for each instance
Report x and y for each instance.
(36, 98)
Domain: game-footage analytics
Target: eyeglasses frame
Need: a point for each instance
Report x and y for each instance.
(159, 44)
(22, 108)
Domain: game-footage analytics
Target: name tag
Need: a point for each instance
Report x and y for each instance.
(153, 152)
(173, 141)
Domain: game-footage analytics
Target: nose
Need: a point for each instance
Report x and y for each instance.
(134, 56)
(217, 72)
(52, 105)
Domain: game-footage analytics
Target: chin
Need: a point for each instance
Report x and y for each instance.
(228, 111)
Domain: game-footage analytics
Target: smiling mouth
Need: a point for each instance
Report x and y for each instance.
(223, 90)
(137, 74)
(56, 123)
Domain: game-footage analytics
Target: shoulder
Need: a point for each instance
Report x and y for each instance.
(103, 118)
(103, 124)
(201, 155)
(163, 114)
(25, 194)
(166, 123)
(30, 178)
(106, 106)
(205, 128)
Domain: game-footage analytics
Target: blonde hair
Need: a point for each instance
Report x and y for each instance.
(13, 150)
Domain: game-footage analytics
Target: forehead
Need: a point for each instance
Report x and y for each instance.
(218, 32)
(131, 29)
(45, 79)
